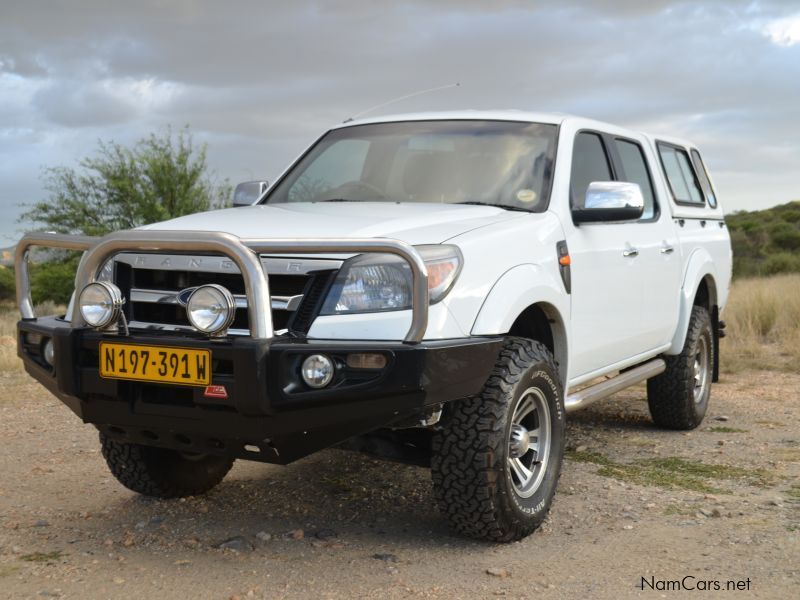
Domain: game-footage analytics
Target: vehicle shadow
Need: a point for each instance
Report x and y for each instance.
(333, 495)
(625, 411)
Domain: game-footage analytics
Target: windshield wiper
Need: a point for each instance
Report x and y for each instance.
(503, 206)
(337, 200)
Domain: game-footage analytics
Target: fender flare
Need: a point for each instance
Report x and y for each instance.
(517, 289)
(699, 266)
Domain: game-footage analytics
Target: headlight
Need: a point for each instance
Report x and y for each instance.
(101, 304)
(211, 308)
(107, 272)
(380, 282)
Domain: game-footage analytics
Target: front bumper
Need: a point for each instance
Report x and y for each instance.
(269, 414)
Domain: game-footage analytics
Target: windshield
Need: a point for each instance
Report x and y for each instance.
(501, 163)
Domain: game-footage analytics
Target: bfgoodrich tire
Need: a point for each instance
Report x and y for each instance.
(497, 458)
(163, 473)
(678, 398)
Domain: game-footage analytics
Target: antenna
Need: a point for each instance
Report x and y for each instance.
(405, 97)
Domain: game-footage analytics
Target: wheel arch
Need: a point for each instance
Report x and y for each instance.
(528, 302)
(699, 289)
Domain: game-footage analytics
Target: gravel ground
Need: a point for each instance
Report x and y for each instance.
(719, 503)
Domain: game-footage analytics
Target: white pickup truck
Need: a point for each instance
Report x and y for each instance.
(438, 288)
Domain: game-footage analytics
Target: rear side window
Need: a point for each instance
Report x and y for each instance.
(705, 182)
(635, 170)
(589, 163)
(680, 175)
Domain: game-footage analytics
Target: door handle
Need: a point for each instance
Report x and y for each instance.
(630, 252)
(667, 249)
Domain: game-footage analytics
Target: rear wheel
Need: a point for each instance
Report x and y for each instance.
(678, 398)
(163, 473)
(497, 459)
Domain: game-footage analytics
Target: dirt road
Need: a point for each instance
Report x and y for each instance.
(720, 503)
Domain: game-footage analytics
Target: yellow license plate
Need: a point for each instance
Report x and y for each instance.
(159, 364)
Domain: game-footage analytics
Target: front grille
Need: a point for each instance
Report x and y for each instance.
(151, 284)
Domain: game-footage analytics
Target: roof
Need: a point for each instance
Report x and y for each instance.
(504, 115)
(455, 115)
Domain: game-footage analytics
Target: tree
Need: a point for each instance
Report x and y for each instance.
(159, 178)
(6, 283)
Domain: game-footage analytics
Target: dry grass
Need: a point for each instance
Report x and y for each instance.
(763, 318)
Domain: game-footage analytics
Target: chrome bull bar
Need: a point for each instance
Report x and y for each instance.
(244, 252)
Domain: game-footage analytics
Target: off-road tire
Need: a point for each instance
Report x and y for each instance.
(160, 472)
(471, 478)
(670, 395)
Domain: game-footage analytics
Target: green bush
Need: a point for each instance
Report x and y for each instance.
(7, 285)
(788, 239)
(53, 280)
(766, 242)
(783, 262)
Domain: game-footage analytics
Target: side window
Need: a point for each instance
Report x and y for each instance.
(680, 175)
(589, 163)
(635, 170)
(705, 182)
(340, 163)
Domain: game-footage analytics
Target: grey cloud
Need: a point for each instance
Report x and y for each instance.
(79, 104)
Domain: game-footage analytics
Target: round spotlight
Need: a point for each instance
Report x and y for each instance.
(211, 309)
(49, 352)
(101, 304)
(317, 371)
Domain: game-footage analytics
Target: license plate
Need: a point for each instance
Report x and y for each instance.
(158, 364)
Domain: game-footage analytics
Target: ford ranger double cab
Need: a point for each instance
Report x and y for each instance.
(441, 289)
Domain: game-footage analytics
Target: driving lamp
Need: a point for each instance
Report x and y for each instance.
(101, 304)
(211, 309)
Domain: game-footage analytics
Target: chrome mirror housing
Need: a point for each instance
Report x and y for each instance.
(248, 192)
(610, 201)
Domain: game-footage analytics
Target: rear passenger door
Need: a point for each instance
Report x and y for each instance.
(658, 263)
(624, 275)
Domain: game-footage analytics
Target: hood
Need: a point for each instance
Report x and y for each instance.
(413, 223)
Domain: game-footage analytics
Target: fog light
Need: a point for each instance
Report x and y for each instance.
(100, 304)
(49, 352)
(211, 309)
(317, 371)
(366, 361)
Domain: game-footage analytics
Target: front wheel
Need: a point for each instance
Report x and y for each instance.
(497, 459)
(163, 473)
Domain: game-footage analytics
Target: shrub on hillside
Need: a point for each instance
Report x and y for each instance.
(766, 242)
(782, 262)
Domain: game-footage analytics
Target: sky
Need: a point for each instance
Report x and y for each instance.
(258, 81)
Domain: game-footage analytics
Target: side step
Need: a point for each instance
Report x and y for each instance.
(607, 388)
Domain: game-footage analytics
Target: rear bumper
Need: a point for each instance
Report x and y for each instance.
(269, 414)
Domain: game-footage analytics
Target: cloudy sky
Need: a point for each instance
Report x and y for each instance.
(260, 80)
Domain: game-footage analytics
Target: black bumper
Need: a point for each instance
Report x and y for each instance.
(269, 414)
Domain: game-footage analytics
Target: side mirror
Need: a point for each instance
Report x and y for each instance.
(610, 201)
(248, 192)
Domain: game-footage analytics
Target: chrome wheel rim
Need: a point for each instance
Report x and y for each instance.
(529, 442)
(700, 370)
